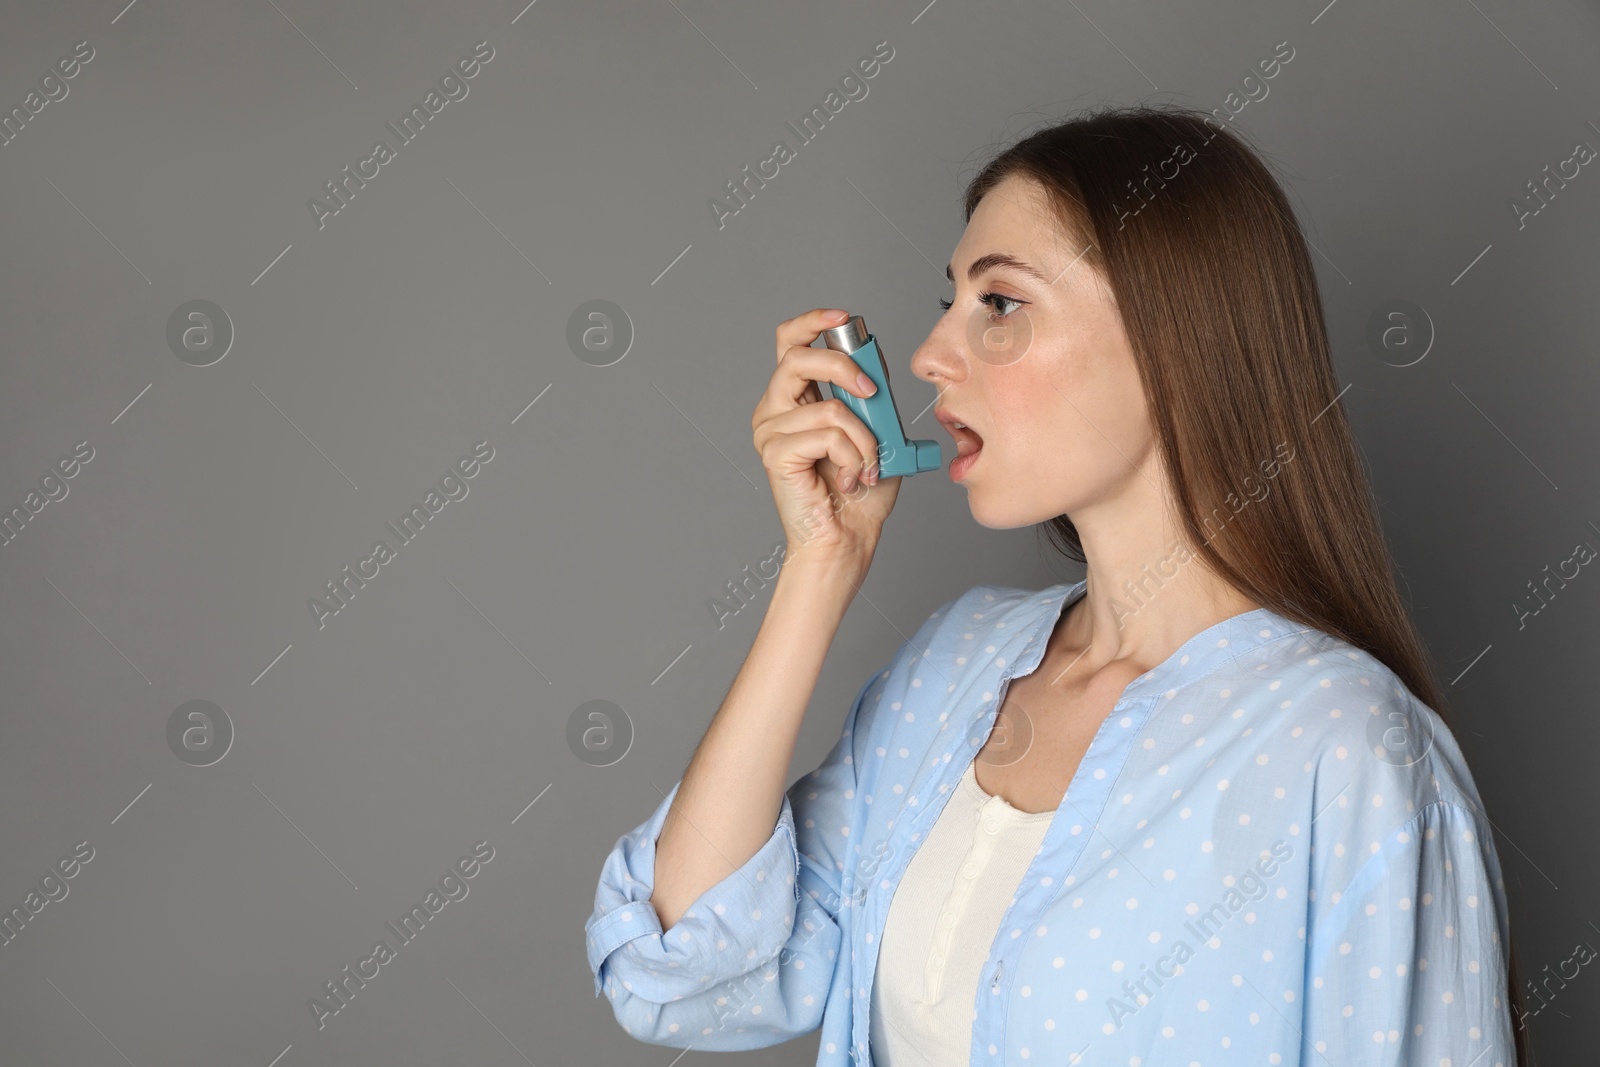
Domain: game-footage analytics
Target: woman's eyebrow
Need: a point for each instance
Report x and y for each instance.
(990, 260)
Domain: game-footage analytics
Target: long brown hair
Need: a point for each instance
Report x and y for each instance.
(1214, 283)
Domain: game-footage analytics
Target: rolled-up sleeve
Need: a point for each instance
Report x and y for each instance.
(751, 962)
(1407, 966)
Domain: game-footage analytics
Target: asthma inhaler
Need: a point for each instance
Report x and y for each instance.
(896, 456)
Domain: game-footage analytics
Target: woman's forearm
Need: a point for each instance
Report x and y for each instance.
(732, 792)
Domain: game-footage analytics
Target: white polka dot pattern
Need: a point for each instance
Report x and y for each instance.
(1246, 868)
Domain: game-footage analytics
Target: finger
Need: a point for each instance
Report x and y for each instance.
(801, 365)
(794, 383)
(828, 413)
(803, 329)
(788, 452)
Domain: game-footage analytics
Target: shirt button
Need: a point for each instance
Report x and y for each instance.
(970, 871)
(949, 918)
(992, 825)
(938, 961)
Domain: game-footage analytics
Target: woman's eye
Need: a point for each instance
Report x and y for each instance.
(991, 298)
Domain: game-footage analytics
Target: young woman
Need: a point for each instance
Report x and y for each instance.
(1198, 808)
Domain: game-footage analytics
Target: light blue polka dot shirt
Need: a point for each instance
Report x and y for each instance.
(1271, 853)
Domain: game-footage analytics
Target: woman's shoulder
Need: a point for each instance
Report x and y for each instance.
(960, 649)
(1325, 737)
(981, 629)
(1002, 609)
(1355, 726)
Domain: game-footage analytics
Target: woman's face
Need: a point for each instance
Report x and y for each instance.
(1042, 374)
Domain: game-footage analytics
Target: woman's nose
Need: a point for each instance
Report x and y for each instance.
(936, 362)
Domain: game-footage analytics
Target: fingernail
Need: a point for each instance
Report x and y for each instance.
(867, 385)
(834, 313)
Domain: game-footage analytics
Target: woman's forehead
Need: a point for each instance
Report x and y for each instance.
(1016, 217)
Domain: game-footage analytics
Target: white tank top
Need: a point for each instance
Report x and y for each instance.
(941, 922)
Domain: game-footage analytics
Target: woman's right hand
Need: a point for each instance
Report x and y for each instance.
(821, 460)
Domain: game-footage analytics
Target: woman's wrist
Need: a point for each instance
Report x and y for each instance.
(845, 568)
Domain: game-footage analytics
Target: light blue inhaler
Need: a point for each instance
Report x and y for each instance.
(896, 455)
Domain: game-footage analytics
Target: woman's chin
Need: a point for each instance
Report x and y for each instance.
(996, 515)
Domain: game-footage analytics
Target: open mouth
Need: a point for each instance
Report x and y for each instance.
(968, 443)
(967, 440)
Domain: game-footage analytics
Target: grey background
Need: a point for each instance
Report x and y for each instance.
(431, 712)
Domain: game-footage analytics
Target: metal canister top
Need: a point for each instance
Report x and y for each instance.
(847, 338)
